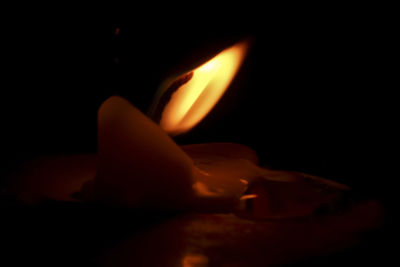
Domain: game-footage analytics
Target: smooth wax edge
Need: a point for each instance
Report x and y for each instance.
(139, 164)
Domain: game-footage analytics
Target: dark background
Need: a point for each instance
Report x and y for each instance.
(307, 98)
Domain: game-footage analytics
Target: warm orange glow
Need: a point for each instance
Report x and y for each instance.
(194, 260)
(250, 196)
(194, 99)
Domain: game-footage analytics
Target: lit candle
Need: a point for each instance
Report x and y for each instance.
(139, 165)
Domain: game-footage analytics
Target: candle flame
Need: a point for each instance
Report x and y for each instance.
(201, 90)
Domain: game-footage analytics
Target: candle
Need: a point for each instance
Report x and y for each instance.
(139, 165)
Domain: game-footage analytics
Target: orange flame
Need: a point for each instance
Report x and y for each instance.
(194, 99)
